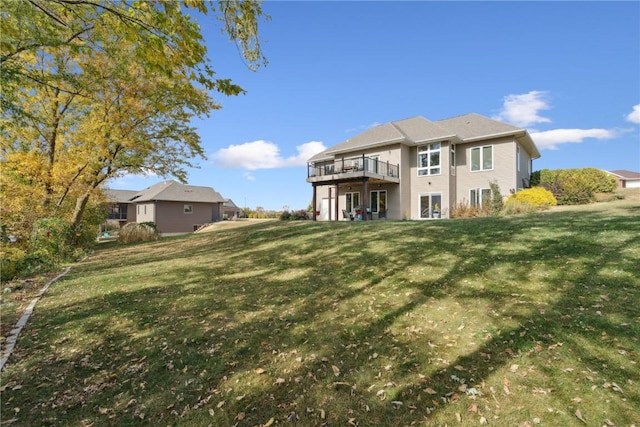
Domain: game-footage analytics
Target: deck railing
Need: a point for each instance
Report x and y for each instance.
(352, 165)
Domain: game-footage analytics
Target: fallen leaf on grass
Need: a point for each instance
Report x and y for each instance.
(429, 390)
(578, 415)
(616, 387)
(268, 423)
(336, 370)
(259, 371)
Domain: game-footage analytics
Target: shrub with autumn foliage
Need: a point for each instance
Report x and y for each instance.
(575, 186)
(536, 196)
(138, 232)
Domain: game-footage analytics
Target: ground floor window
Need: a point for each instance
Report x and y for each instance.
(430, 205)
(479, 196)
(378, 201)
(353, 200)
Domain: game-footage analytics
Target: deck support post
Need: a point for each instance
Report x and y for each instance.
(365, 200)
(315, 202)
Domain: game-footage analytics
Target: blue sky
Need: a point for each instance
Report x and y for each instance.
(568, 72)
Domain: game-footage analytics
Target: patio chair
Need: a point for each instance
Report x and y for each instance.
(347, 215)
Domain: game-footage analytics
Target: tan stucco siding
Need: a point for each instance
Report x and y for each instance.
(523, 172)
(503, 171)
(171, 217)
(430, 184)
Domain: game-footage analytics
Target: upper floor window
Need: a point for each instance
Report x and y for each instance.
(188, 209)
(453, 155)
(482, 158)
(429, 159)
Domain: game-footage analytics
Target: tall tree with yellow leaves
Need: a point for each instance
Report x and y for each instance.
(96, 89)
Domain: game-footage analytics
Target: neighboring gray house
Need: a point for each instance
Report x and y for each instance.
(231, 210)
(172, 206)
(120, 207)
(420, 169)
(626, 179)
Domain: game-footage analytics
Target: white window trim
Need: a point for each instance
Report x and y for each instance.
(430, 195)
(353, 205)
(481, 158)
(189, 210)
(479, 191)
(452, 158)
(386, 195)
(428, 151)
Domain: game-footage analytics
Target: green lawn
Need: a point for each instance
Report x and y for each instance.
(499, 321)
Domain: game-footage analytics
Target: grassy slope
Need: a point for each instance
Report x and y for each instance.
(506, 321)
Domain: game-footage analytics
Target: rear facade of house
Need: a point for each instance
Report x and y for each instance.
(419, 169)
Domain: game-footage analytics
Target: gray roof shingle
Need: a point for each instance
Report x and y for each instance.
(417, 130)
(119, 196)
(174, 191)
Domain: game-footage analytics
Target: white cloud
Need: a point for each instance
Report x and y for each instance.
(634, 116)
(550, 139)
(249, 176)
(264, 155)
(522, 110)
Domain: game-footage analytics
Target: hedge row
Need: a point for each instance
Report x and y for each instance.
(574, 186)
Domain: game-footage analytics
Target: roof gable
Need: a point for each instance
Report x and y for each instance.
(418, 129)
(381, 134)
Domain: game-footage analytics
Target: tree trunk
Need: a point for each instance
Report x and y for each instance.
(81, 204)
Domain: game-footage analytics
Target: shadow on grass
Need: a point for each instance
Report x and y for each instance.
(321, 324)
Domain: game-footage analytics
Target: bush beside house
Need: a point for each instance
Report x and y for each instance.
(575, 186)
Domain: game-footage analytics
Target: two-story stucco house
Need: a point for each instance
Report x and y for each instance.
(419, 169)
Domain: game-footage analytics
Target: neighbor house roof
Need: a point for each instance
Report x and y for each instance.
(626, 175)
(119, 196)
(173, 191)
(228, 203)
(418, 130)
